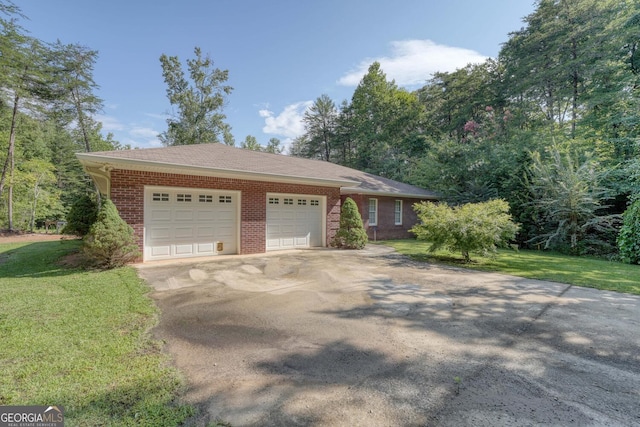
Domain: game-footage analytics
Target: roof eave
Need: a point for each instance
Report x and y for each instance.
(93, 160)
(355, 190)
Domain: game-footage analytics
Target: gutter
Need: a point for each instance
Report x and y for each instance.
(92, 161)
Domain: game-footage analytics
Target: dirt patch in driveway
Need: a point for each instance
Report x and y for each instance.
(371, 338)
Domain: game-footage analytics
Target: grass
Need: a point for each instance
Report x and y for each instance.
(81, 339)
(581, 271)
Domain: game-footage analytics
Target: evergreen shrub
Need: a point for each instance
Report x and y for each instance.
(81, 216)
(351, 234)
(629, 236)
(110, 242)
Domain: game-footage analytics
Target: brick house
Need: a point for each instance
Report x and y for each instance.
(210, 199)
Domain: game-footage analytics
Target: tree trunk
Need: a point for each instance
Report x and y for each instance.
(34, 206)
(12, 140)
(9, 163)
(85, 137)
(575, 81)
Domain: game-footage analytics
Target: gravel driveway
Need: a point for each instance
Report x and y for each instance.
(370, 338)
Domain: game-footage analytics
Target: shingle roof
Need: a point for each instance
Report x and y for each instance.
(225, 158)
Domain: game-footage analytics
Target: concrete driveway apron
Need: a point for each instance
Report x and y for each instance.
(326, 337)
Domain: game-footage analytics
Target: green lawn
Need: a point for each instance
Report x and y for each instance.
(582, 271)
(81, 340)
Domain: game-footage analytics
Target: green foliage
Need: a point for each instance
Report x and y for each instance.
(570, 198)
(351, 234)
(273, 146)
(542, 265)
(629, 236)
(454, 99)
(75, 100)
(36, 197)
(199, 100)
(320, 122)
(110, 242)
(45, 118)
(473, 227)
(81, 216)
(384, 123)
(251, 143)
(89, 330)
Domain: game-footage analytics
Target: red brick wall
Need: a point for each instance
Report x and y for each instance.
(127, 193)
(386, 228)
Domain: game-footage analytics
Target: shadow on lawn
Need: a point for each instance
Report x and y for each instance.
(138, 402)
(39, 259)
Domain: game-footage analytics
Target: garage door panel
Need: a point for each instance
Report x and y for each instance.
(184, 232)
(296, 222)
(302, 241)
(205, 248)
(184, 249)
(183, 215)
(287, 242)
(224, 232)
(161, 250)
(161, 215)
(184, 223)
(160, 233)
(204, 215)
(274, 217)
(205, 233)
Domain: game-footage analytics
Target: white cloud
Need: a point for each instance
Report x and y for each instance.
(137, 135)
(288, 123)
(109, 123)
(142, 137)
(412, 62)
(143, 132)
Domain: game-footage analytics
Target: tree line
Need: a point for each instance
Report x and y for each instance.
(48, 107)
(551, 125)
(47, 113)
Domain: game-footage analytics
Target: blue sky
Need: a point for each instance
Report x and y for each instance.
(281, 54)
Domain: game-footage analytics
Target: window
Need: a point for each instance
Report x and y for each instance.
(302, 202)
(183, 197)
(373, 212)
(224, 199)
(274, 201)
(160, 197)
(288, 201)
(315, 203)
(398, 212)
(203, 198)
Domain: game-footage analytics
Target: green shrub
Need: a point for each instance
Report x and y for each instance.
(629, 236)
(473, 227)
(110, 242)
(351, 234)
(81, 216)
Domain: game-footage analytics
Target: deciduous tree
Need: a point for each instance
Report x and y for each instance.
(473, 227)
(570, 197)
(198, 99)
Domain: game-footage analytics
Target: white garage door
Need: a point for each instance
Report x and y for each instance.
(185, 222)
(294, 221)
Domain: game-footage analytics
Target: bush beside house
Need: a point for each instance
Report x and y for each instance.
(351, 234)
(110, 242)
